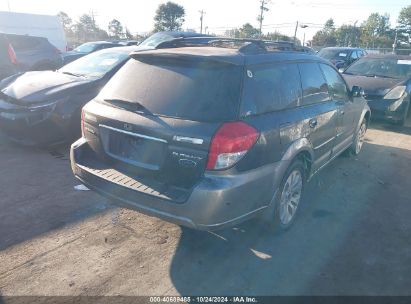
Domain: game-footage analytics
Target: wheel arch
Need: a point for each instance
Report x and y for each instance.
(300, 149)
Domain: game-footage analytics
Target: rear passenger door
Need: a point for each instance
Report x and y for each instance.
(346, 114)
(319, 113)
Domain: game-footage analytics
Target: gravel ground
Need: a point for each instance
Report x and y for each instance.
(352, 235)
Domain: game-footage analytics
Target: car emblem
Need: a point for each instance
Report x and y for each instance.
(128, 127)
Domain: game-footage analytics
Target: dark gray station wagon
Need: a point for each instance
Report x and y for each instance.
(209, 136)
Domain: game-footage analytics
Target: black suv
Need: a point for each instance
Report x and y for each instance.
(209, 136)
(342, 57)
(20, 53)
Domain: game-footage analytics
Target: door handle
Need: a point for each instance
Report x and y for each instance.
(313, 123)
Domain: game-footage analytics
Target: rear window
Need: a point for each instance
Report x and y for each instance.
(4, 56)
(334, 54)
(201, 91)
(270, 88)
(23, 43)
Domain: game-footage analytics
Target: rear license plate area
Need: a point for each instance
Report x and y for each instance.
(139, 151)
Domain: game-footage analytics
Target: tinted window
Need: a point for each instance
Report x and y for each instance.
(200, 91)
(335, 54)
(86, 48)
(270, 88)
(4, 56)
(96, 64)
(354, 55)
(156, 39)
(381, 67)
(315, 88)
(336, 84)
(22, 43)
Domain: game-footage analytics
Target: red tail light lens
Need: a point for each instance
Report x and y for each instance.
(231, 142)
(82, 123)
(12, 54)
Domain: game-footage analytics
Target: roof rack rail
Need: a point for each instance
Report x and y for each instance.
(244, 45)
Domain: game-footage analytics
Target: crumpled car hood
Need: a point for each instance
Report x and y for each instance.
(41, 86)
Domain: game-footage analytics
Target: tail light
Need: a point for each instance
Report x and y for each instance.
(12, 54)
(82, 123)
(231, 142)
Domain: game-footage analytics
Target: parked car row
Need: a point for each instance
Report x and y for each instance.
(386, 80)
(201, 131)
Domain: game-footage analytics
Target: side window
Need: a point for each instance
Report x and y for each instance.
(270, 88)
(354, 55)
(315, 88)
(106, 46)
(338, 88)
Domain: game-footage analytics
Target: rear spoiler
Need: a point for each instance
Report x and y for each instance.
(149, 55)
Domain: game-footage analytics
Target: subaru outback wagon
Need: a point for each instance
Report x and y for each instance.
(209, 136)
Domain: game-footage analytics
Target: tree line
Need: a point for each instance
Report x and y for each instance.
(375, 32)
(169, 17)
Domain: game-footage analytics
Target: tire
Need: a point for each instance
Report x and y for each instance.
(285, 203)
(356, 146)
(401, 122)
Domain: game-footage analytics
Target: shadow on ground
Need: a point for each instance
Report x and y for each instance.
(352, 237)
(37, 193)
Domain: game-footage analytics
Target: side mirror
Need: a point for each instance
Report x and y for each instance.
(357, 91)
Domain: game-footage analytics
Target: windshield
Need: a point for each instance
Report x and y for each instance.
(392, 68)
(333, 54)
(85, 48)
(155, 39)
(95, 65)
(199, 91)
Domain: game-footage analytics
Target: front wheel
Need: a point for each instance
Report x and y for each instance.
(359, 138)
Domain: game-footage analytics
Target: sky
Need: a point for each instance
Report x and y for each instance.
(220, 15)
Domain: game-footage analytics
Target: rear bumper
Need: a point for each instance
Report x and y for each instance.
(216, 202)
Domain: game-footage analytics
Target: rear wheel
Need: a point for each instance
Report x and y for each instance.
(359, 138)
(287, 198)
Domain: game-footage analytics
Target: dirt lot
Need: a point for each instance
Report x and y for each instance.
(352, 236)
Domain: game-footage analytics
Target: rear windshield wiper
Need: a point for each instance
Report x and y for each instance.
(133, 106)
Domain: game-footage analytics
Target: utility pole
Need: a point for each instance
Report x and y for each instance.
(263, 8)
(93, 17)
(202, 12)
(295, 32)
(394, 45)
(353, 42)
